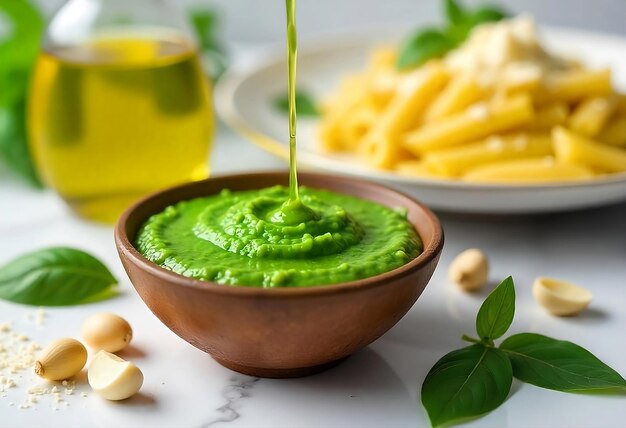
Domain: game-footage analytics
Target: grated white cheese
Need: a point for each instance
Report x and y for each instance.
(507, 50)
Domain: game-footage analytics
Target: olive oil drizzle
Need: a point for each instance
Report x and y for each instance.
(293, 211)
(292, 49)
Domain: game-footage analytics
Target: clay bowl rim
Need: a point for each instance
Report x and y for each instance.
(128, 250)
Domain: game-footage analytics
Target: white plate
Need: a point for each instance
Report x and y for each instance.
(244, 97)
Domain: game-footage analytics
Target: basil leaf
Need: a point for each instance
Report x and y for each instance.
(455, 14)
(466, 382)
(24, 16)
(305, 106)
(14, 146)
(55, 277)
(487, 14)
(496, 313)
(558, 364)
(422, 46)
(18, 51)
(460, 32)
(435, 42)
(205, 23)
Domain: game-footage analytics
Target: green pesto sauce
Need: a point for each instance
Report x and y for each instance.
(246, 238)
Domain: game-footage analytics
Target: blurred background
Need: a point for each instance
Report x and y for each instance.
(248, 21)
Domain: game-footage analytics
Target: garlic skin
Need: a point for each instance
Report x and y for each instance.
(61, 360)
(470, 269)
(114, 378)
(106, 331)
(560, 298)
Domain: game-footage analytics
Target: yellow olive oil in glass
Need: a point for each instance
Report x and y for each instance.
(117, 117)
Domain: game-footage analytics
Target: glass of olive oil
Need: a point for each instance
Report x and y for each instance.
(119, 105)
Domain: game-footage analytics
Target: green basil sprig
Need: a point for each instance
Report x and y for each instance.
(56, 276)
(205, 22)
(431, 42)
(477, 379)
(305, 104)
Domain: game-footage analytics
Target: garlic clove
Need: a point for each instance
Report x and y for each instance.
(559, 297)
(106, 331)
(61, 360)
(114, 378)
(470, 269)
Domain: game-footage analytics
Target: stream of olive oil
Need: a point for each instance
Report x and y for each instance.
(293, 211)
(117, 117)
(292, 49)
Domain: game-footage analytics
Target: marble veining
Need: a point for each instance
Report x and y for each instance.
(240, 388)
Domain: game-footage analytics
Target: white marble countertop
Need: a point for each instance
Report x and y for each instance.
(377, 387)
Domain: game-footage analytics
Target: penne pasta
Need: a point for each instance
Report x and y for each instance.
(381, 146)
(455, 161)
(459, 94)
(528, 171)
(355, 126)
(591, 115)
(576, 85)
(382, 86)
(336, 109)
(382, 77)
(614, 132)
(382, 151)
(499, 100)
(573, 148)
(477, 122)
(621, 104)
(549, 116)
(414, 94)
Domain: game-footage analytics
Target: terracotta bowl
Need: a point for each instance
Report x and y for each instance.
(281, 332)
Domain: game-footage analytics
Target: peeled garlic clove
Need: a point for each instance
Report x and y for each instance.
(560, 297)
(470, 269)
(112, 377)
(61, 360)
(107, 331)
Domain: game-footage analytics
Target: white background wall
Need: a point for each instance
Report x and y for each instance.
(257, 21)
(263, 19)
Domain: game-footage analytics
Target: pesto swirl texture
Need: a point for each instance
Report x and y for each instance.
(254, 238)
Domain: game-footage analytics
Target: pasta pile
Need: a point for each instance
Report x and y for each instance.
(499, 109)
